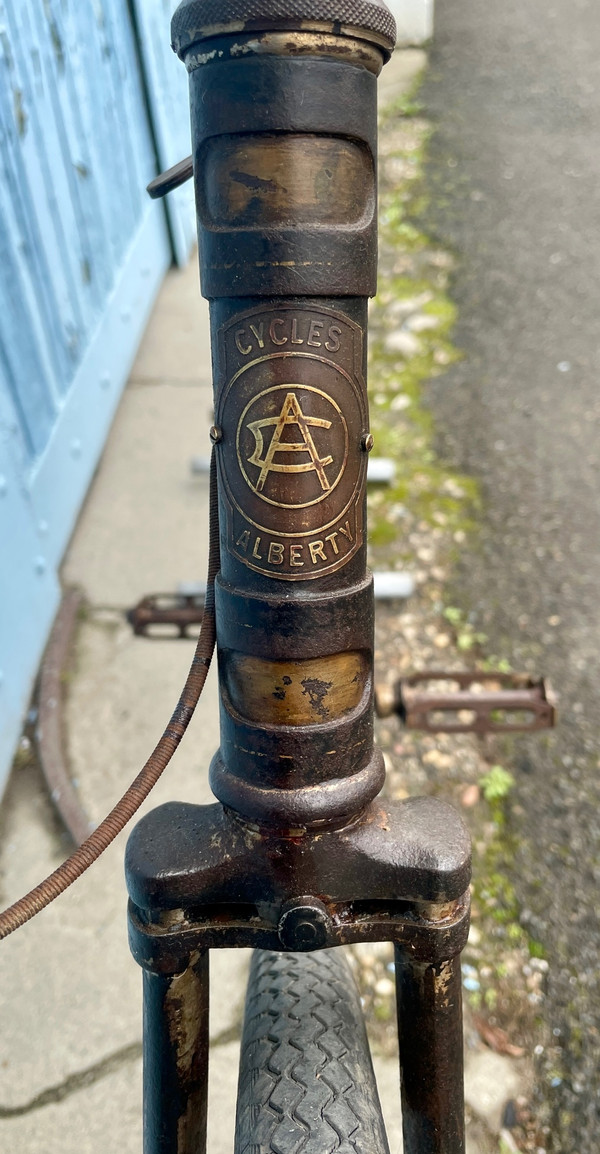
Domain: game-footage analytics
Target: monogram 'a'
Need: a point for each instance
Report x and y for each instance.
(291, 414)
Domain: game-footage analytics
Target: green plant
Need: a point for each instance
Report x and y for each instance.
(496, 784)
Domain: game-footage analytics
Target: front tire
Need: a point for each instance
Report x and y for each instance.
(306, 1082)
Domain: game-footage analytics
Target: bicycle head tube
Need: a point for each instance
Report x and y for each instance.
(284, 127)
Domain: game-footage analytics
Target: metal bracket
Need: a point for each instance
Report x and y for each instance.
(447, 701)
(201, 878)
(171, 179)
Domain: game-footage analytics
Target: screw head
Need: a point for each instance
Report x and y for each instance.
(304, 925)
(216, 434)
(367, 442)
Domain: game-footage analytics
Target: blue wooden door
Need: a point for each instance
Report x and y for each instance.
(82, 253)
(167, 83)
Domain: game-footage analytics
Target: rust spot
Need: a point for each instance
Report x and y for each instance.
(381, 818)
(316, 691)
(257, 183)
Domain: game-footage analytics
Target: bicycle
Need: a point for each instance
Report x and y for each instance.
(297, 855)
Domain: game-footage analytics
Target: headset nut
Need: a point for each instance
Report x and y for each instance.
(305, 925)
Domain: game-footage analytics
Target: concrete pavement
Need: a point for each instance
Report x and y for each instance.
(514, 92)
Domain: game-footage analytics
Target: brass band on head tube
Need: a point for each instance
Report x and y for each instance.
(306, 692)
(350, 47)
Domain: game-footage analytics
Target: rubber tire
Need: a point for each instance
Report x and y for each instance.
(306, 1082)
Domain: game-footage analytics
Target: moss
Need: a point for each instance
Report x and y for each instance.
(381, 532)
(412, 321)
(406, 105)
(382, 1011)
(403, 427)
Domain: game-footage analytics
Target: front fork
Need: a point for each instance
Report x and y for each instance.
(176, 1056)
(298, 853)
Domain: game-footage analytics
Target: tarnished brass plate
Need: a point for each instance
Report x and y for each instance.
(285, 180)
(293, 413)
(295, 692)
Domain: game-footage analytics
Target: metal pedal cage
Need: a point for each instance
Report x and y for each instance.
(298, 853)
(482, 702)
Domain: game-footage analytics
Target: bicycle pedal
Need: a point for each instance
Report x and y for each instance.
(164, 616)
(447, 701)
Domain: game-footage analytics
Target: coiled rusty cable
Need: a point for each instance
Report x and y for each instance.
(91, 849)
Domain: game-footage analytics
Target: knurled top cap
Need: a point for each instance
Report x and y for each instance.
(197, 20)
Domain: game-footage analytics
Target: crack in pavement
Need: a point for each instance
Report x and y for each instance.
(231, 1033)
(84, 1078)
(79, 1081)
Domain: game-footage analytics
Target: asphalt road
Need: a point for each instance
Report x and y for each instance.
(514, 178)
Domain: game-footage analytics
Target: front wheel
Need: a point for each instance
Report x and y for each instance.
(306, 1082)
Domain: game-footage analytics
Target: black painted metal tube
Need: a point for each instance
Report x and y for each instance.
(176, 1060)
(429, 1000)
(284, 133)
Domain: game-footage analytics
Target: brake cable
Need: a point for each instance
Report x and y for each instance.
(94, 846)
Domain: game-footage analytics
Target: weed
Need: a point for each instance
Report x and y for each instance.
(496, 784)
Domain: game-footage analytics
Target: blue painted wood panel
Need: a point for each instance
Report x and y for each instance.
(168, 92)
(82, 254)
(30, 595)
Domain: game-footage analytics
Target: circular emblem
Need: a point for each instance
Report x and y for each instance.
(289, 424)
(291, 409)
(292, 445)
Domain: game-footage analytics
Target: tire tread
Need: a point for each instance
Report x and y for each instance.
(306, 1083)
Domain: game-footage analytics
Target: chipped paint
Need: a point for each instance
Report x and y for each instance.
(442, 982)
(201, 58)
(186, 1015)
(170, 918)
(243, 49)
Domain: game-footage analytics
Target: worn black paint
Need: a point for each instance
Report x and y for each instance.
(429, 999)
(299, 854)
